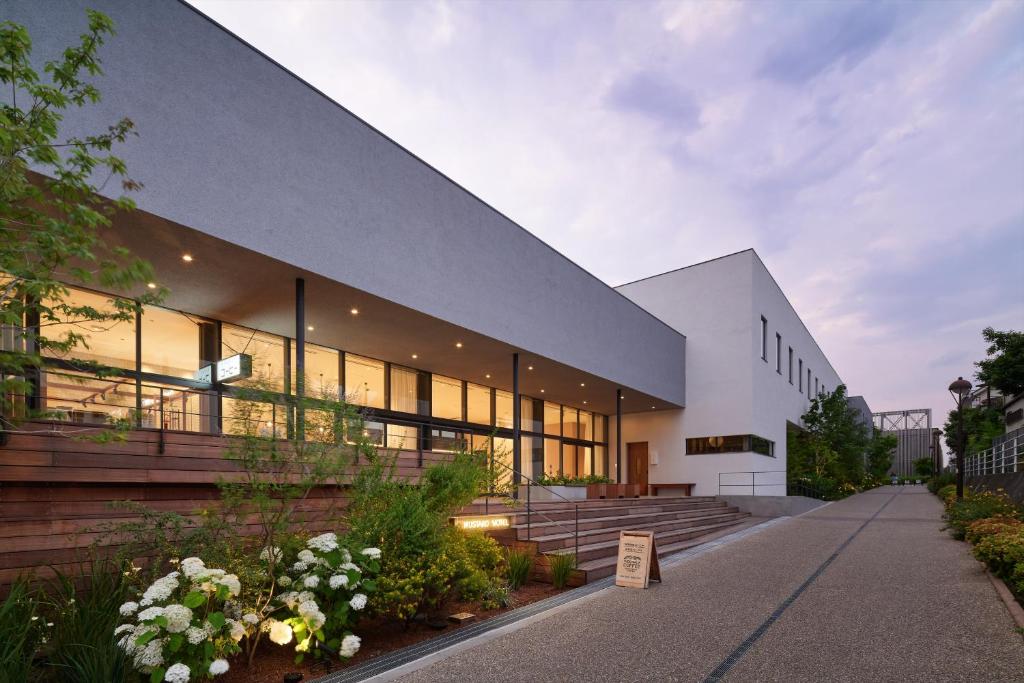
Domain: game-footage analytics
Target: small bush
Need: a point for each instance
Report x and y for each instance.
(562, 565)
(941, 481)
(518, 567)
(975, 506)
(983, 528)
(22, 630)
(947, 494)
(1003, 551)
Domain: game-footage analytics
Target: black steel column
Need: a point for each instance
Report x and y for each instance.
(138, 366)
(33, 375)
(517, 446)
(618, 436)
(300, 356)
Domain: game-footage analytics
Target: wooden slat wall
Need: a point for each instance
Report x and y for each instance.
(56, 492)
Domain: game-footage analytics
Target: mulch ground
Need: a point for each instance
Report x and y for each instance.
(379, 636)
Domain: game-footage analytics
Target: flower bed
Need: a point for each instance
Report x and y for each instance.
(994, 526)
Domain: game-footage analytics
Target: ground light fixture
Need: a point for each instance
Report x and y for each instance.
(959, 390)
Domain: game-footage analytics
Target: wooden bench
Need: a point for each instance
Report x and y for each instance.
(687, 488)
(613, 491)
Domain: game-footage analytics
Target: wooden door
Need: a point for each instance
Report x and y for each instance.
(637, 455)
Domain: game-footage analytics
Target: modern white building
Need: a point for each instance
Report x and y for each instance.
(752, 368)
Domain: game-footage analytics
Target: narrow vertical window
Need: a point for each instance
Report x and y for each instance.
(800, 375)
(778, 353)
(809, 383)
(815, 386)
(790, 364)
(764, 339)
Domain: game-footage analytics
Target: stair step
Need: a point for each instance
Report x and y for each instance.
(591, 512)
(537, 528)
(567, 538)
(666, 539)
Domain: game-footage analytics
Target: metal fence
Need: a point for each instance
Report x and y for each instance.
(1004, 457)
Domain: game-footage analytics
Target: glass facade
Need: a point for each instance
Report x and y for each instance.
(735, 443)
(412, 409)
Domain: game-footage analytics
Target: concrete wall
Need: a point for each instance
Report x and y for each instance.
(719, 304)
(774, 506)
(234, 146)
(1011, 483)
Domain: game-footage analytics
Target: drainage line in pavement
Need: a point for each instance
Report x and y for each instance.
(736, 655)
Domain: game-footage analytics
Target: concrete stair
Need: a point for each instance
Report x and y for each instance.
(678, 523)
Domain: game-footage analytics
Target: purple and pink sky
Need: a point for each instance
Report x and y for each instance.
(872, 153)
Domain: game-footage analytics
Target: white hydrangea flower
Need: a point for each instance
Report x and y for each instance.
(290, 598)
(161, 589)
(349, 645)
(338, 581)
(218, 667)
(232, 582)
(306, 556)
(151, 655)
(280, 633)
(272, 554)
(311, 581)
(129, 608)
(250, 618)
(307, 609)
(325, 543)
(178, 618)
(346, 556)
(306, 596)
(317, 620)
(284, 581)
(236, 629)
(122, 628)
(372, 553)
(177, 673)
(300, 567)
(195, 635)
(358, 601)
(150, 613)
(192, 567)
(348, 566)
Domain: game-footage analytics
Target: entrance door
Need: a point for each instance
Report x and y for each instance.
(637, 456)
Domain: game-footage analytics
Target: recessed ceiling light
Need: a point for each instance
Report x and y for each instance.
(151, 285)
(354, 311)
(487, 376)
(653, 407)
(542, 391)
(584, 403)
(582, 384)
(530, 368)
(310, 328)
(458, 345)
(187, 258)
(414, 356)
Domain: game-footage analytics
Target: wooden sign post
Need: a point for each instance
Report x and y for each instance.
(638, 560)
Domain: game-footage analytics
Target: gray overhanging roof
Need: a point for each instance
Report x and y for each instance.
(238, 149)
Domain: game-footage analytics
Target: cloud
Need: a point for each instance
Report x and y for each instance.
(870, 152)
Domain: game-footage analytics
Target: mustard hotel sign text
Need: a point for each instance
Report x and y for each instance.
(483, 522)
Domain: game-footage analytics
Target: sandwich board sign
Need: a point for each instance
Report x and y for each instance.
(638, 560)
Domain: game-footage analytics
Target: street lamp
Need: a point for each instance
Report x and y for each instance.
(959, 391)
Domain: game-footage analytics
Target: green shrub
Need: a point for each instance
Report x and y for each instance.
(562, 565)
(947, 494)
(1003, 552)
(22, 631)
(518, 567)
(477, 561)
(83, 645)
(941, 481)
(564, 480)
(975, 506)
(990, 526)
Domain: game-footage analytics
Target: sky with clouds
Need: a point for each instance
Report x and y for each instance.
(872, 153)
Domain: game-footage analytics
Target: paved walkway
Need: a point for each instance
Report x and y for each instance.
(868, 588)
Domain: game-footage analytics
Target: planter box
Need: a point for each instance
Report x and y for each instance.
(615, 490)
(543, 494)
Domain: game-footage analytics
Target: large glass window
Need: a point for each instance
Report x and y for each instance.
(267, 351)
(108, 343)
(404, 391)
(736, 443)
(600, 460)
(447, 440)
(70, 397)
(552, 419)
(503, 409)
(570, 466)
(586, 426)
(403, 437)
(532, 456)
(531, 415)
(501, 461)
(171, 343)
(322, 367)
(364, 381)
(552, 457)
(570, 422)
(600, 428)
(446, 398)
(478, 404)
(245, 417)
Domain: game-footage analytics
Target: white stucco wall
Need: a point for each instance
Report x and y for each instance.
(730, 390)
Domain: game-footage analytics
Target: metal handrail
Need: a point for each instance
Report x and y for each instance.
(1003, 458)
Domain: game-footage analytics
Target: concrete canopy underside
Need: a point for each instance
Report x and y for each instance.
(244, 153)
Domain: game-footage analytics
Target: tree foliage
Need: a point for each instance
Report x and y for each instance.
(1004, 368)
(52, 217)
(980, 424)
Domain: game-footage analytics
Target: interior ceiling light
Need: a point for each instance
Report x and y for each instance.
(542, 391)
(151, 285)
(310, 328)
(458, 345)
(414, 356)
(487, 376)
(187, 258)
(582, 384)
(584, 403)
(530, 368)
(354, 311)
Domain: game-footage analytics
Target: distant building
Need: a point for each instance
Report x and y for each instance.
(914, 437)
